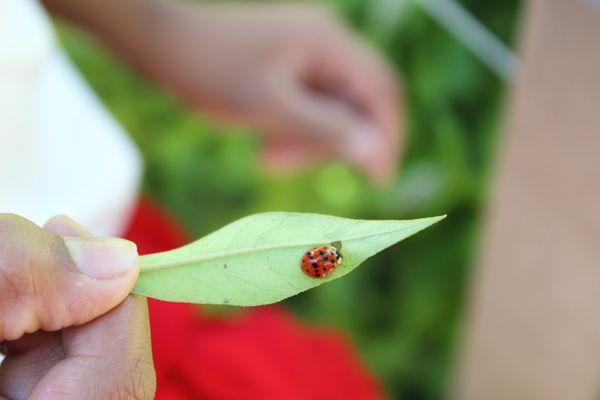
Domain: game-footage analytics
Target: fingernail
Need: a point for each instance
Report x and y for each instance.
(103, 258)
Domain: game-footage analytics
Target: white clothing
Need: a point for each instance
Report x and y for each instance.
(60, 150)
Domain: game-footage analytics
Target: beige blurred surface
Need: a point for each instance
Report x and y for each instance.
(534, 331)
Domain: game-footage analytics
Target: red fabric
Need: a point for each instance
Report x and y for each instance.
(262, 353)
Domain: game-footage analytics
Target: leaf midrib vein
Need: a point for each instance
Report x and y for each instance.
(216, 256)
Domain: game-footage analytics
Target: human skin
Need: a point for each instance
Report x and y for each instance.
(294, 72)
(68, 326)
(534, 329)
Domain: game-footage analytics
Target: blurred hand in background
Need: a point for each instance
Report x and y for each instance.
(294, 72)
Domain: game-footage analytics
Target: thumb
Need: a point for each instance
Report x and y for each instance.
(49, 282)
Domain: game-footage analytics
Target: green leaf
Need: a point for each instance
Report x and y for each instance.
(256, 260)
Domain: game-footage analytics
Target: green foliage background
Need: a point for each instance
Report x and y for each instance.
(403, 308)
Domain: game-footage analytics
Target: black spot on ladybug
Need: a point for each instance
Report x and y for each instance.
(320, 261)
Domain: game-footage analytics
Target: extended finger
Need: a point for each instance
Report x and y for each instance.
(331, 126)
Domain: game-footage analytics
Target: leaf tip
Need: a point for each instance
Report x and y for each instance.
(433, 220)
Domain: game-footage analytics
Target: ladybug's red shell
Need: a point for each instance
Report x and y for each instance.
(319, 262)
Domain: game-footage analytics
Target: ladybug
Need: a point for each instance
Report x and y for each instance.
(321, 261)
